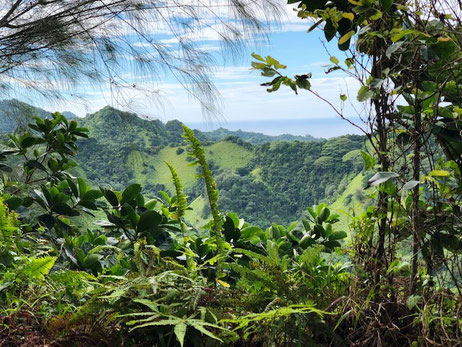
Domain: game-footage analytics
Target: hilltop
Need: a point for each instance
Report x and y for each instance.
(256, 138)
(15, 115)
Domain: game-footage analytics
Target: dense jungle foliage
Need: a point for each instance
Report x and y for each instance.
(141, 274)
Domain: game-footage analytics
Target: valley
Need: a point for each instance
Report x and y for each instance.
(262, 178)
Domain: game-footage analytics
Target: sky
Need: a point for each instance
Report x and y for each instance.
(243, 103)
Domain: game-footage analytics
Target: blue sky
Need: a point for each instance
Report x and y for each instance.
(243, 100)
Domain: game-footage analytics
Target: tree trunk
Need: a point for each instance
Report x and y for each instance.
(416, 195)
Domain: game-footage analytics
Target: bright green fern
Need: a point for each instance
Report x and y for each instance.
(198, 153)
(9, 235)
(181, 203)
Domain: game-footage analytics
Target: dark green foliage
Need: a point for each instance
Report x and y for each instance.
(290, 179)
(141, 277)
(254, 138)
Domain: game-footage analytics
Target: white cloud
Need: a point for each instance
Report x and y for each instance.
(233, 73)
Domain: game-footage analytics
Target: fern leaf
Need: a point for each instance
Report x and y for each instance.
(198, 153)
(180, 332)
(38, 267)
(181, 202)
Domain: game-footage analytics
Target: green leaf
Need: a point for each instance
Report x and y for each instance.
(377, 15)
(38, 267)
(27, 141)
(34, 164)
(303, 82)
(258, 66)
(324, 213)
(151, 204)
(346, 37)
(250, 232)
(180, 332)
(257, 56)
(369, 161)
(230, 231)
(381, 177)
(13, 202)
(342, 318)
(92, 195)
(64, 209)
(364, 93)
(73, 187)
(275, 63)
(334, 60)
(376, 83)
(38, 196)
(348, 15)
(401, 33)
(393, 48)
(306, 241)
(104, 224)
(5, 168)
(92, 261)
(128, 210)
(331, 244)
(412, 301)
(450, 242)
(130, 192)
(343, 97)
(111, 197)
(82, 186)
(411, 184)
(386, 4)
(439, 173)
(148, 220)
(338, 235)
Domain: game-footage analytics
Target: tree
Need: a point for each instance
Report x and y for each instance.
(406, 57)
(48, 45)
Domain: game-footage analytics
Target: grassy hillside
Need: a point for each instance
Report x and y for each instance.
(350, 202)
(161, 174)
(228, 155)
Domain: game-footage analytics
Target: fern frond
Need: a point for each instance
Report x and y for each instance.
(198, 153)
(181, 202)
(8, 227)
(38, 267)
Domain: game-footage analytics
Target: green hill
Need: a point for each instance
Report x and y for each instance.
(15, 115)
(255, 138)
(273, 180)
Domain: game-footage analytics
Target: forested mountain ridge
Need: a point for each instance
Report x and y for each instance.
(256, 138)
(15, 115)
(274, 180)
